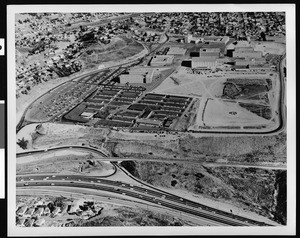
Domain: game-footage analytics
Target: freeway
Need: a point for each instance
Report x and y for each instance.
(156, 197)
(150, 190)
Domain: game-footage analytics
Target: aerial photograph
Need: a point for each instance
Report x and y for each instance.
(150, 119)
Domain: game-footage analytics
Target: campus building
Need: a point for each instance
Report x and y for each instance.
(210, 52)
(204, 63)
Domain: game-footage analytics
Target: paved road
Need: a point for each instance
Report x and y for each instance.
(29, 152)
(145, 194)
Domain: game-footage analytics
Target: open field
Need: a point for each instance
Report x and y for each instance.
(220, 113)
(120, 48)
(238, 187)
(226, 99)
(269, 47)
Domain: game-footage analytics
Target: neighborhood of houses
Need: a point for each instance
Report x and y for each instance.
(42, 211)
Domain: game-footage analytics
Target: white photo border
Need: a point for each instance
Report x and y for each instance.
(289, 229)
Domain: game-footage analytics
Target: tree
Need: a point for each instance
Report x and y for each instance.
(23, 143)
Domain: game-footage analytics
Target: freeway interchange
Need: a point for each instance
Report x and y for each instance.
(142, 191)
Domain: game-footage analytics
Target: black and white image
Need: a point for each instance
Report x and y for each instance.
(155, 119)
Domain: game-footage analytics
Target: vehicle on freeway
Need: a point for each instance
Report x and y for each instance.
(52, 184)
(31, 179)
(26, 184)
(53, 176)
(124, 193)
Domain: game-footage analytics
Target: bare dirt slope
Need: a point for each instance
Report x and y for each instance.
(251, 189)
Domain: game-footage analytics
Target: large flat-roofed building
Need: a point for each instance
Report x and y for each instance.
(176, 51)
(132, 78)
(162, 60)
(210, 52)
(247, 54)
(204, 63)
(150, 122)
(139, 74)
